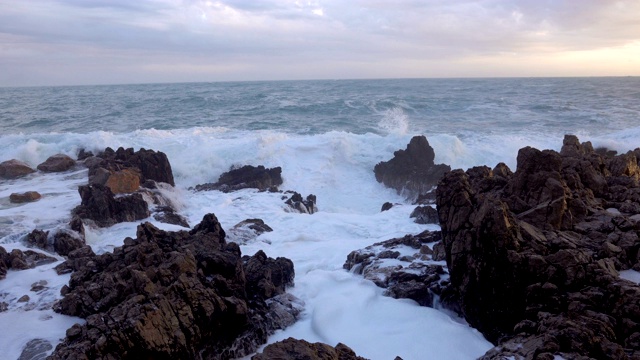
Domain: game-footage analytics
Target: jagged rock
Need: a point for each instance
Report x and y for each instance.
(173, 295)
(124, 181)
(12, 169)
(402, 266)
(57, 163)
(64, 242)
(37, 238)
(294, 349)
(386, 206)
(412, 171)
(425, 215)
(36, 349)
(305, 206)
(19, 260)
(167, 215)
(29, 196)
(533, 255)
(246, 177)
(84, 154)
(247, 230)
(150, 165)
(99, 205)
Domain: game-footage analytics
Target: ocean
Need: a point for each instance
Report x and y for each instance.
(327, 136)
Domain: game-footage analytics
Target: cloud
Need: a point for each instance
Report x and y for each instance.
(246, 39)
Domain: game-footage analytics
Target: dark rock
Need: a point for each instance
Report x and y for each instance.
(29, 196)
(174, 295)
(3, 305)
(426, 199)
(39, 285)
(12, 169)
(37, 238)
(167, 215)
(412, 171)
(99, 205)
(152, 165)
(386, 206)
(533, 257)
(84, 154)
(247, 230)
(24, 298)
(18, 260)
(64, 242)
(36, 349)
(305, 206)
(246, 177)
(57, 163)
(424, 215)
(293, 349)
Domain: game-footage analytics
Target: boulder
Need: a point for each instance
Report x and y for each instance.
(64, 242)
(173, 295)
(412, 171)
(149, 164)
(533, 256)
(294, 349)
(246, 177)
(424, 215)
(304, 206)
(57, 163)
(123, 181)
(19, 260)
(386, 206)
(167, 215)
(101, 206)
(247, 230)
(29, 196)
(38, 238)
(12, 169)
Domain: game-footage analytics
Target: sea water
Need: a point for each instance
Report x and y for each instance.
(327, 136)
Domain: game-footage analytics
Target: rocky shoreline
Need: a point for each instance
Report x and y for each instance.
(531, 257)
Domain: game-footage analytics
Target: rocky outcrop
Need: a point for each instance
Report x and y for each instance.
(57, 163)
(175, 295)
(149, 164)
(533, 255)
(120, 182)
(304, 206)
(12, 169)
(424, 215)
(28, 196)
(247, 230)
(412, 171)
(167, 215)
(403, 266)
(21, 260)
(294, 349)
(65, 242)
(246, 177)
(101, 206)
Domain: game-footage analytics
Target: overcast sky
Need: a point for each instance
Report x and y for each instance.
(59, 42)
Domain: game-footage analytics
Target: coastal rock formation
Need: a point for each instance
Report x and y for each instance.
(534, 255)
(246, 177)
(412, 171)
(21, 260)
(13, 168)
(149, 164)
(247, 230)
(101, 206)
(424, 215)
(168, 215)
(175, 295)
(403, 266)
(304, 206)
(57, 163)
(294, 349)
(28, 196)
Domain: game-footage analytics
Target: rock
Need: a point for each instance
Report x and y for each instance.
(24, 298)
(39, 285)
(424, 215)
(167, 215)
(246, 177)
(18, 260)
(412, 171)
(386, 206)
(84, 154)
(64, 242)
(37, 238)
(29, 196)
(151, 165)
(57, 163)
(99, 205)
(124, 181)
(414, 275)
(174, 295)
(36, 349)
(293, 349)
(533, 255)
(304, 206)
(247, 230)
(12, 169)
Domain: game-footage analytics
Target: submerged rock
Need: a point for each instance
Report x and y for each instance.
(412, 171)
(247, 230)
(175, 295)
(533, 256)
(246, 177)
(12, 169)
(101, 206)
(57, 163)
(167, 215)
(424, 215)
(19, 260)
(29, 196)
(304, 206)
(294, 349)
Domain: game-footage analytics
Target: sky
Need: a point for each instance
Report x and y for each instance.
(76, 42)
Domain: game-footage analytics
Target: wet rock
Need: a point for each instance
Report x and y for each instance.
(386, 206)
(533, 256)
(29, 196)
(424, 215)
(101, 206)
(304, 206)
(12, 169)
(150, 164)
(39, 285)
(36, 349)
(37, 238)
(246, 177)
(179, 295)
(412, 171)
(64, 242)
(167, 215)
(57, 163)
(18, 260)
(123, 182)
(84, 154)
(293, 349)
(247, 230)
(24, 298)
